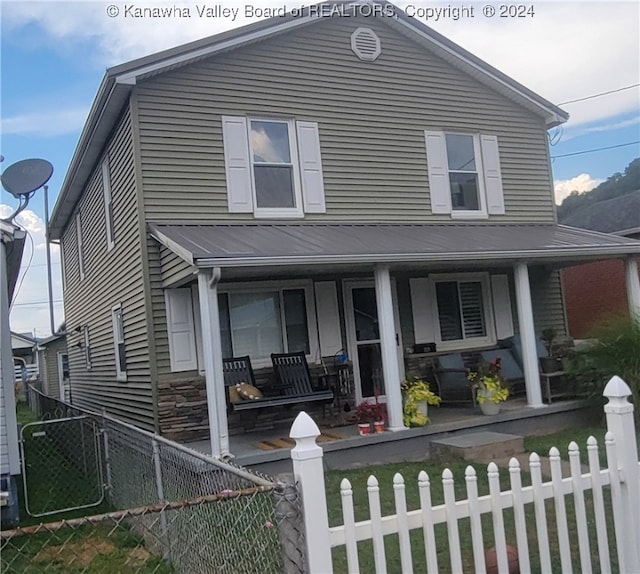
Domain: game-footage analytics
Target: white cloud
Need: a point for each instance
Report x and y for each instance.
(580, 183)
(46, 124)
(30, 307)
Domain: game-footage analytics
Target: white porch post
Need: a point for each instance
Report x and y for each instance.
(527, 335)
(633, 287)
(212, 350)
(390, 366)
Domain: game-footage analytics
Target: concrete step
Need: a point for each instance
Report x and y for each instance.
(484, 446)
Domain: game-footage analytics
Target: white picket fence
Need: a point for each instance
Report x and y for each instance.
(620, 482)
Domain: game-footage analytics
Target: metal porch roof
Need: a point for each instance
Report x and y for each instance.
(260, 244)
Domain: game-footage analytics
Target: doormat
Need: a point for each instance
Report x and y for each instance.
(276, 443)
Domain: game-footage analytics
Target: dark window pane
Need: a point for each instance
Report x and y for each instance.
(270, 142)
(464, 191)
(274, 186)
(295, 313)
(122, 358)
(460, 153)
(370, 365)
(225, 327)
(366, 314)
(449, 311)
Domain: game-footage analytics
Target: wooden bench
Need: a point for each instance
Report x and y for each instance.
(292, 383)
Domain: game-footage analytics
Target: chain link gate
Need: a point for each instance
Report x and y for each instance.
(61, 465)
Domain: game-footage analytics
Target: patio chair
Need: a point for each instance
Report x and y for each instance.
(294, 378)
(451, 378)
(511, 370)
(515, 344)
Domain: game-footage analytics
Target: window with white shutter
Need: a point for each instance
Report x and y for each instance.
(464, 174)
(273, 167)
(181, 330)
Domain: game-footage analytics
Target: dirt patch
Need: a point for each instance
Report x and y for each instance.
(79, 553)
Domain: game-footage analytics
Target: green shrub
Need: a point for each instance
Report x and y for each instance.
(616, 351)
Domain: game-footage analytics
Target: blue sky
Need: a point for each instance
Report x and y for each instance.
(54, 55)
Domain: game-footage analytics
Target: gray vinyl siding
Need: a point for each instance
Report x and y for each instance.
(371, 116)
(547, 300)
(111, 277)
(174, 269)
(159, 311)
(48, 358)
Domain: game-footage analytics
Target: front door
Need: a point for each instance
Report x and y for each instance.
(363, 337)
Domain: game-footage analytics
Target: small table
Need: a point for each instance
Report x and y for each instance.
(547, 378)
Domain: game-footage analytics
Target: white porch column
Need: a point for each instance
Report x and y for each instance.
(633, 287)
(212, 350)
(390, 367)
(527, 335)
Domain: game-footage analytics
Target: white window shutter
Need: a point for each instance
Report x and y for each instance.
(328, 318)
(180, 330)
(438, 172)
(492, 175)
(237, 164)
(424, 327)
(502, 306)
(310, 167)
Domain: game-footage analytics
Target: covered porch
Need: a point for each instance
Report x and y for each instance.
(381, 293)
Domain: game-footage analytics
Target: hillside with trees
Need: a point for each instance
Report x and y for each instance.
(616, 185)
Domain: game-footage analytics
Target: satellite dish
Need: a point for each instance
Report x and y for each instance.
(26, 176)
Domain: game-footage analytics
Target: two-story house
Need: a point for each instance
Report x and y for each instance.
(340, 178)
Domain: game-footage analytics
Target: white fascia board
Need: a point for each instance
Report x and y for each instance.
(172, 245)
(131, 77)
(547, 254)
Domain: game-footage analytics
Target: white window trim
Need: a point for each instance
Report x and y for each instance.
(262, 286)
(87, 347)
(487, 303)
(120, 375)
(108, 202)
(80, 246)
(482, 197)
(278, 212)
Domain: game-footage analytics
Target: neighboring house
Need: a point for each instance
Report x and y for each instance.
(597, 291)
(305, 183)
(25, 359)
(12, 240)
(54, 366)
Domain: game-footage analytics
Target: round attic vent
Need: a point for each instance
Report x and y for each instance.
(365, 44)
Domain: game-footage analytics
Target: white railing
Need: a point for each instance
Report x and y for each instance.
(588, 491)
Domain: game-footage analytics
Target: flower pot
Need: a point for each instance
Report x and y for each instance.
(550, 364)
(378, 426)
(364, 429)
(423, 407)
(489, 408)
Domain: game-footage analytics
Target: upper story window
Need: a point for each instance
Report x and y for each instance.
(273, 167)
(108, 204)
(80, 246)
(275, 175)
(463, 159)
(464, 174)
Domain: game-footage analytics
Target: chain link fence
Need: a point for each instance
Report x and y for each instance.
(171, 509)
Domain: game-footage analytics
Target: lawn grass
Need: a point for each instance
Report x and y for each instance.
(542, 443)
(435, 467)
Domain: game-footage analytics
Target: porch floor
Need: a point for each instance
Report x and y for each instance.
(346, 448)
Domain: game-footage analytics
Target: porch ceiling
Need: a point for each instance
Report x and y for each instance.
(278, 244)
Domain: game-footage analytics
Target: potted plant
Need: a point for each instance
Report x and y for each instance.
(416, 397)
(371, 413)
(551, 363)
(489, 386)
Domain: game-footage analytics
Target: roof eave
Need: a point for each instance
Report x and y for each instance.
(538, 255)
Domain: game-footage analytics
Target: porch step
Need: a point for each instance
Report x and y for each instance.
(483, 446)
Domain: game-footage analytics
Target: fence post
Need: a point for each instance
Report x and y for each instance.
(620, 423)
(290, 526)
(160, 492)
(308, 470)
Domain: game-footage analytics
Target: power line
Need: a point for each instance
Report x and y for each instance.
(595, 149)
(598, 95)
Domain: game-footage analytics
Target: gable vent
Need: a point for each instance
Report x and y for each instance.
(365, 44)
